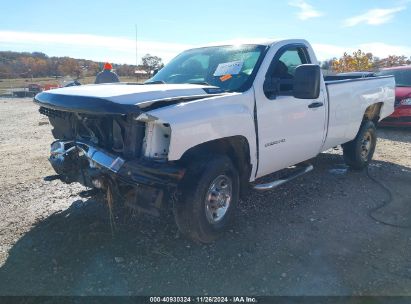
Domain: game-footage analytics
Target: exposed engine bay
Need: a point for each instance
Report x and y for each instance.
(112, 153)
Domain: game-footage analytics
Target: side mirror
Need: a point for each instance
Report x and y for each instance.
(154, 72)
(270, 86)
(307, 81)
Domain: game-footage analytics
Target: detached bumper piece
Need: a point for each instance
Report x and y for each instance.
(151, 173)
(65, 156)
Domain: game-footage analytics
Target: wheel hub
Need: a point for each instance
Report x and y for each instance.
(218, 198)
(366, 145)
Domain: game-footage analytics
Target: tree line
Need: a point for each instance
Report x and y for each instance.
(361, 61)
(37, 64)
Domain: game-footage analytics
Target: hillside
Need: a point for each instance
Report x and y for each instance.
(37, 64)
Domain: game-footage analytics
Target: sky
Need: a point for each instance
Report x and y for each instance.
(105, 30)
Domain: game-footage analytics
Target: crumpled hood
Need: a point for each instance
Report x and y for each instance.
(121, 98)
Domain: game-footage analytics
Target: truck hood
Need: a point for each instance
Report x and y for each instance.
(122, 98)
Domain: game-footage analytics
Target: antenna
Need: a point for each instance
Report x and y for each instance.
(136, 69)
(136, 46)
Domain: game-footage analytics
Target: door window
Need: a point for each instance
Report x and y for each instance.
(284, 68)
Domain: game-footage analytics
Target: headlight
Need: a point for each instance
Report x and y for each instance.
(405, 102)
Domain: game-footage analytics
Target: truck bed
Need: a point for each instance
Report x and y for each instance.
(348, 99)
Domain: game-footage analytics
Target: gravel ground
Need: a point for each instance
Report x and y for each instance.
(318, 235)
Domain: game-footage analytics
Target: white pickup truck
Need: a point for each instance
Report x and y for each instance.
(210, 124)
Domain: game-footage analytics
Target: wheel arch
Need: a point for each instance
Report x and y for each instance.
(237, 148)
(372, 113)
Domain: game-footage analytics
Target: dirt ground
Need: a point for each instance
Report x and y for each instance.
(318, 235)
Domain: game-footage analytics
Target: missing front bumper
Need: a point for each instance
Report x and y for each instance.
(68, 159)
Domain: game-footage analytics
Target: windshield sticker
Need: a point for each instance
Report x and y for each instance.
(232, 68)
(225, 77)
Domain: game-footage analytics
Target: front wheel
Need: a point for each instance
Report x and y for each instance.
(210, 193)
(358, 152)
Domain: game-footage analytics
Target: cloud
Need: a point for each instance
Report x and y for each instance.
(327, 51)
(307, 11)
(374, 17)
(122, 50)
(99, 48)
(383, 50)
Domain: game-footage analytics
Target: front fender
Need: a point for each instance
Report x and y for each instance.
(196, 122)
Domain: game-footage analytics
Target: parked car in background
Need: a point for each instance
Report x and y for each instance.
(31, 90)
(402, 112)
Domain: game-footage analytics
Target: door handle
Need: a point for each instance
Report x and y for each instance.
(315, 105)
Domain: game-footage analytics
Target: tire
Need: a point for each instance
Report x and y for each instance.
(358, 153)
(209, 196)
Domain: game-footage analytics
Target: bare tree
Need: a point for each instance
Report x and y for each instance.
(151, 63)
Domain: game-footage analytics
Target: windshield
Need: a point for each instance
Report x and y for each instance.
(231, 68)
(402, 76)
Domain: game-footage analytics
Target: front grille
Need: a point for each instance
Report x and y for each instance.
(52, 113)
(118, 134)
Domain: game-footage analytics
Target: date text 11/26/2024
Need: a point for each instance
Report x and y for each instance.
(203, 299)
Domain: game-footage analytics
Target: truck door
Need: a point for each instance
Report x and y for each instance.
(290, 130)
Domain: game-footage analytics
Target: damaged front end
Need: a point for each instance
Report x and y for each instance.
(114, 152)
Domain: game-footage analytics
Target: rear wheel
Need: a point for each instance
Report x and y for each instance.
(358, 153)
(210, 193)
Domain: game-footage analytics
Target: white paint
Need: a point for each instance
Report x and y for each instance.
(156, 140)
(303, 129)
(195, 122)
(299, 133)
(299, 129)
(348, 102)
(133, 93)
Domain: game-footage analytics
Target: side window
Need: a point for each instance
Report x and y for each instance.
(284, 68)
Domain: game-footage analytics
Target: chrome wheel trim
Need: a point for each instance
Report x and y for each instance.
(366, 145)
(218, 198)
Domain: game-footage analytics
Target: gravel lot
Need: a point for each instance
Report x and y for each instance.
(318, 235)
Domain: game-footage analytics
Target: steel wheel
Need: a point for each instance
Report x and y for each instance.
(359, 151)
(208, 200)
(366, 145)
(218, 198)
